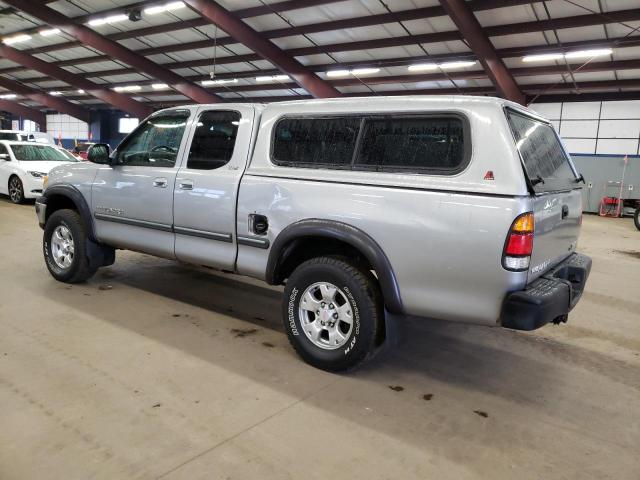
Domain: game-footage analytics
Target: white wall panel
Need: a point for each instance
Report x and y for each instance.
(625, 109)
(618, 146)
(548, 110)
(581, 111)
(580, 145)
(579, 128)
(620, 128)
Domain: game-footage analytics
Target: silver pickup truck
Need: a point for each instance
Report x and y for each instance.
(459, 208)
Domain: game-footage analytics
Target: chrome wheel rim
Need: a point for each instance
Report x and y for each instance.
(325, 315)
(15, 189)
(62, 247)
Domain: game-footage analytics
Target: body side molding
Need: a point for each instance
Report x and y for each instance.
(348, 234)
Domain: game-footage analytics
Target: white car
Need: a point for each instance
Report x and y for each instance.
(20, 136)
(23, 166)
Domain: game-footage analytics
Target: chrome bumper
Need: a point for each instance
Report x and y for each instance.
(41, 211)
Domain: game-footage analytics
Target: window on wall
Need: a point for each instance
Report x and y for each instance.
(214, 140)
(66, 126)
(413, 144)
(127, 125)
(316, 141)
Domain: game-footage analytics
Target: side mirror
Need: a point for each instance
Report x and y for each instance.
(99, 153)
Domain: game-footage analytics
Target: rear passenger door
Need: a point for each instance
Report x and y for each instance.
(207, 185)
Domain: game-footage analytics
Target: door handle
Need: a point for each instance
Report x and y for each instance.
(565, 211)
(186, 185)
(160, 182)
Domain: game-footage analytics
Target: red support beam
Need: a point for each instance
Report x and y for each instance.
(55, 103)
(27, 112)
(243, 33)
(472, 31)
(118, 100)
(114, 49)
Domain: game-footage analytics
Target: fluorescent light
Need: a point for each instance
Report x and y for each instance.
(221, 81)
(80, 92)
(164, 8)
(542, 57)
(273, 78)
(364, 71)
(16, 39)
(460, 64)
(49, 32)
(338, 73)
(8, 96)
(112, 19)
(128, 88)
(55, 93)
(159, 86)
(589, 53)
(421, 67)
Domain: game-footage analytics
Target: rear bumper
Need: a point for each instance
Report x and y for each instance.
(548, 298)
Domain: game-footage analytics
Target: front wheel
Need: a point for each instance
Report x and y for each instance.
(65, 247)
(16, 190)
(333, 313)
(636, 218)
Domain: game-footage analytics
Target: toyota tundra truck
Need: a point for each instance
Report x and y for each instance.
(460, 208)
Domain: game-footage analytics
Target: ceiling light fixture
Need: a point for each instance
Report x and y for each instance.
(128, 88)
(49, 32)
(421, 67)
(55, 93)
(168, 7)
(338, 73)
(589, 53)
(273, 78)
(16, 39)
(112, 19)
(364, 71)
(542, 57)
(80, 92)
(159, 86)
(8, 96)
(220, 81)
(459, 64)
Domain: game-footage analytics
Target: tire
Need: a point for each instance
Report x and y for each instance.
(16, 190)
(65, 247)
(353, 314)
(636, 218)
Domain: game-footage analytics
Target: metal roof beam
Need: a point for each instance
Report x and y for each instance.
(246, 35)
(123, 102)
(27, 112)
(114, 49)
(45, 99)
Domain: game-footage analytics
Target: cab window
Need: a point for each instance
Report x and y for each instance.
(155, 143)
(214, 140)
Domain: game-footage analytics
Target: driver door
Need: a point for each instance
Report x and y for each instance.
(5, 169)
(132, 200)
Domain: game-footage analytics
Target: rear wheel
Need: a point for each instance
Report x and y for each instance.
(636, 218)
(333, 313)
(65, 247)
(16, 190)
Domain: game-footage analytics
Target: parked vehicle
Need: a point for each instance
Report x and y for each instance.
(81, 149)
(23, 166)
(460, 208)
(20, 136)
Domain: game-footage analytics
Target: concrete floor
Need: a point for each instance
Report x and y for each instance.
(157, 370)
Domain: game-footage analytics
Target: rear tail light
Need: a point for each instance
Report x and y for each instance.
(519, 244)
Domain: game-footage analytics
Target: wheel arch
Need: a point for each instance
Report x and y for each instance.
(57, 197)
(328, 235)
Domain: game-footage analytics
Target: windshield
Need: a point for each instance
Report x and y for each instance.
(545, 161)
(69, 155)
(38, 153)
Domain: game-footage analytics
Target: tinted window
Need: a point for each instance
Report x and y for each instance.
(155, 143)
(316, 141)
(413, 144)
(9, 136)
(3, 151)
(213, 141)
(541, 151)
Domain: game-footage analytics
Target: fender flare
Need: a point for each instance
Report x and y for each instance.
(73, 194)
(347, 234)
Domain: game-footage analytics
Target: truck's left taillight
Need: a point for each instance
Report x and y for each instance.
(519, 244)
